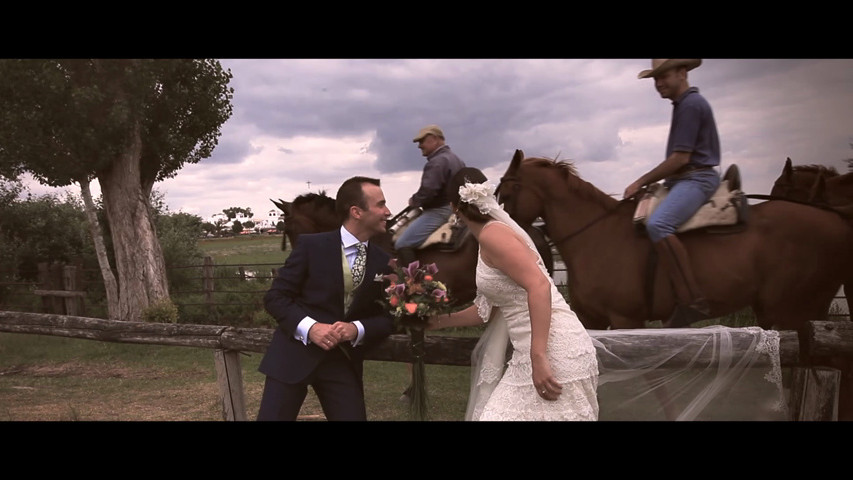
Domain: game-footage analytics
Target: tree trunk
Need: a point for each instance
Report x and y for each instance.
(101, 251)
(139, 258)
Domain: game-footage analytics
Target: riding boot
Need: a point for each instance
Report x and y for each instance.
(691, 305)
(405, 256)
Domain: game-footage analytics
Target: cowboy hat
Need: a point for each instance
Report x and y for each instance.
(660, 65)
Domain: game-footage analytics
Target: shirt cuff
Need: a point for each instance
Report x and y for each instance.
(360, 334)
(301, 333)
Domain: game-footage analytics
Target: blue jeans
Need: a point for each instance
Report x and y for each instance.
(686, 195)
(422, 227)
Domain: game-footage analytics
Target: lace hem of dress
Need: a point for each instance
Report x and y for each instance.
(577, 402)
(768, 344)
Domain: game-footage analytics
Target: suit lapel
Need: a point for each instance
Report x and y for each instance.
(335, 268)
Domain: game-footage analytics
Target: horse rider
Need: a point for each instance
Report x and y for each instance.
(692, 152)
(441, 165)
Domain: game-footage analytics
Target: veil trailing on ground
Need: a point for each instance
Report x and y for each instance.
(711, 373)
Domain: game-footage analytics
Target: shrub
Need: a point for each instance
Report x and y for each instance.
(163, 311)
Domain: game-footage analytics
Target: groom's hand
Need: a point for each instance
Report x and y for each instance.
(324, 335)
(346, 330)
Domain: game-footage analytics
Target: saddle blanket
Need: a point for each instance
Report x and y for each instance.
(724, 208)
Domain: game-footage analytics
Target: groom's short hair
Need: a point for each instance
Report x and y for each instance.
(351, 193)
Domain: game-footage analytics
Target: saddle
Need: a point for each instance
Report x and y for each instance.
(728, 206)
(449, 236)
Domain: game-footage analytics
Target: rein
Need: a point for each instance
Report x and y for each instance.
(591, 223)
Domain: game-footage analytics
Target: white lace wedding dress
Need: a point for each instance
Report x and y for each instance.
(570, 351)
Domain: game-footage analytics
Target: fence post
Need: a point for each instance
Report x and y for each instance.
(73, 305)
(229, 377)
(207, 276)
(814, 394)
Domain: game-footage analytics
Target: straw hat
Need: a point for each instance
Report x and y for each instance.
(660, 65)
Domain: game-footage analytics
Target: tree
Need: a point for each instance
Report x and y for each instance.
(209, 228)
(127, 123)
(233, 211)
(39, 229)
(236, 227)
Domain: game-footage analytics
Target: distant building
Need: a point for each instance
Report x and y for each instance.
(261, 223)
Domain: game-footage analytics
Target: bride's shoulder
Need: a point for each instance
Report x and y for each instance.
(496, 231)
(495, 223)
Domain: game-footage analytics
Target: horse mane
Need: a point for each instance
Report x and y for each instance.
(569, 172)
(320, 198)
(826, 170)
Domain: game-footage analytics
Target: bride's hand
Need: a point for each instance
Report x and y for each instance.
(546, 384)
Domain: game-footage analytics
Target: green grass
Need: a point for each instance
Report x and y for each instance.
(244, 249)
(47, 378)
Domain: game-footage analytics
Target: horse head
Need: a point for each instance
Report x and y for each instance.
(803, 183)
(307, 213)
(520, 198)
(534, 188)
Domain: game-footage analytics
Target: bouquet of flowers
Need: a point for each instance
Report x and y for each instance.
(414, 294)
(412, 297)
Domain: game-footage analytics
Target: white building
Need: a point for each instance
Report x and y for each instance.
(262, 224)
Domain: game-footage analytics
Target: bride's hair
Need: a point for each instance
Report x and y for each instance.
(463, 176)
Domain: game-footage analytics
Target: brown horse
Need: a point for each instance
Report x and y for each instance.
(787, 263)
(311, 213)
(308, 213)
(816, 184)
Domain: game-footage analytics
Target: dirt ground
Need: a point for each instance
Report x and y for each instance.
(66, 392)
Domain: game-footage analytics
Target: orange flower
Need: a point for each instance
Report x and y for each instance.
(413, 295)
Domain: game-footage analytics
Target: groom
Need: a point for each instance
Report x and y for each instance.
(325, 321)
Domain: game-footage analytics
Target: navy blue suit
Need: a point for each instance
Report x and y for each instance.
(311, 284)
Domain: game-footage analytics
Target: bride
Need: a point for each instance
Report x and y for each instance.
(553, 371)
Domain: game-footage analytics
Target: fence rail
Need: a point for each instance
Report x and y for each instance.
(813, 397)
(61, 292)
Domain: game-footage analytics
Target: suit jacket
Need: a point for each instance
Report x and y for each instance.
(311, 284)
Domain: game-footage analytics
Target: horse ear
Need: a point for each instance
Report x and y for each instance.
(789, 169)
(516, 159)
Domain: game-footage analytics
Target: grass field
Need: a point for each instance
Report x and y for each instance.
(46, 378)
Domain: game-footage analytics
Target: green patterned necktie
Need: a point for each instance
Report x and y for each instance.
(358, 265)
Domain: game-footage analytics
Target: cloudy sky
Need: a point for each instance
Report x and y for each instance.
(305, 125)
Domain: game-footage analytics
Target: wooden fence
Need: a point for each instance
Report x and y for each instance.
(61, 287)
(814, 391)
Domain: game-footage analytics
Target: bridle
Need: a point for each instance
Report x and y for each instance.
(516, 186)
